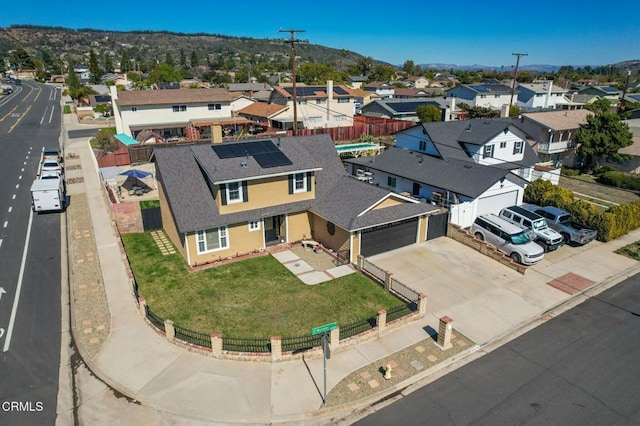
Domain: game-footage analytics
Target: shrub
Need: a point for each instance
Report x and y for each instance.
(568, 171)
(620, 180)
(67, 109)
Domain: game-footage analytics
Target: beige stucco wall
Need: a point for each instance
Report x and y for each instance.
(356, 247)
(320, 233)
(168, 224)
(422, 229)
(299, 226)
(241, 241)
(389, 202)
(266, 193)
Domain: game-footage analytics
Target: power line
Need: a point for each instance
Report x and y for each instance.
(292, 41)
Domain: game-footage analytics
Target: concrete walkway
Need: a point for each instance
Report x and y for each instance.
(142, 365)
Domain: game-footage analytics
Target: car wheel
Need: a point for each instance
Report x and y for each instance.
(516, 257)
(479, 236)
(567, 238)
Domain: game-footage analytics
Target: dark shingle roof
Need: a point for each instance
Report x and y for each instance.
(339, 197)
(459, 176)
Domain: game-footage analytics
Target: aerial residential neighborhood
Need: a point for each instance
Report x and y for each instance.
(236, 230)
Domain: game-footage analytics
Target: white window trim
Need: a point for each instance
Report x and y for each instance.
(201, 236)
(304, 183)
(488, 151)
(240, 198)
(254, 225)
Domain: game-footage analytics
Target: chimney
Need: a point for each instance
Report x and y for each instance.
(329, 90)
(504, 111)
(452, 109)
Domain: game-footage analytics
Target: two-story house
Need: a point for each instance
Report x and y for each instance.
(603, 92)
(317, 107)
(226, 200)
(540, 95)
(417, 81)
(552, 133)
(169, 113)
(471, 166)
(481, 95)
(382, 89)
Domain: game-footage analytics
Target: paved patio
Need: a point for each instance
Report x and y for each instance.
(311, 267)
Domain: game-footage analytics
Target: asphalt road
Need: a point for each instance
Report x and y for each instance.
(580, 368)
(30, 312)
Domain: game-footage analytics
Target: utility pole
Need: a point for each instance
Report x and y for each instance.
(292, 41)
(515, 75)
(624, 92)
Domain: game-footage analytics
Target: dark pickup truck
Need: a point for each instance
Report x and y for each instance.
(560, 221)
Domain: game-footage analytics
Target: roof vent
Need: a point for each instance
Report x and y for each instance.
(468, 127)
(243, 164)
(467, 166)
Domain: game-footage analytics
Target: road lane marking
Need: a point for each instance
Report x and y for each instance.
(14, 309)
(19, 119)
(6, 222)
(0, 242)
(20, 177)
(8, 114)
(10, 208)
(51, 115)
(13, 197)
(17, 186)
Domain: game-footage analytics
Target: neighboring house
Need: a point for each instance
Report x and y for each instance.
(404, 109)
(170, 113)
(95, 100)
(382, 89)
(318, 107)
(356, 81)
(417, 82)
(468, 189)
(632, 151)
(604, 92)
(362, 97)
(227, 200)
(256, 91)
(407, 92)
(540, 95)
(261, 112)
(494, 143)
(552, 133)
(493, 96)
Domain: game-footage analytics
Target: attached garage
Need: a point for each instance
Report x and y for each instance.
(495, 203)
(388, 237)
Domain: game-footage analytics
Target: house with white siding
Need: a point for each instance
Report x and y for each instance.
(481, 95)
(540, 95)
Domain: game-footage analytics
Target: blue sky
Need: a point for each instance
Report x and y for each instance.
(565, 32)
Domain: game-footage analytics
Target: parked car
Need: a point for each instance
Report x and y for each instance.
(50, 166)
(560, 220)
(508, 238)
(535, 225)
(51, 154)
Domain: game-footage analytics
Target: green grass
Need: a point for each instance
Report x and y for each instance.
(632, 250)
(149, 204)
(256, 297)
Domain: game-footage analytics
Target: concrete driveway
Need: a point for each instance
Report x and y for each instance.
(484, 297)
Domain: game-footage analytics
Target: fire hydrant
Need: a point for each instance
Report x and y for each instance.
(387, 372)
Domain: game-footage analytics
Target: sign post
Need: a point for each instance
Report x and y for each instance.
(324, 330)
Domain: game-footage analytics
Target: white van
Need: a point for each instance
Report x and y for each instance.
(508, 238)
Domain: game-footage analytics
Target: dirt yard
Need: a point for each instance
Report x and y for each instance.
(602, 195)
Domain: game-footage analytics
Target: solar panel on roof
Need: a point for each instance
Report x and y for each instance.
(264, 152)
(479, 88)
(340, 91)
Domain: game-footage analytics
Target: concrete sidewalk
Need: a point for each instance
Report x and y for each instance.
(142, 365)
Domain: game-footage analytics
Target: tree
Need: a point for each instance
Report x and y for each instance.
(183, 59)
(73, 82)
(165, 73)
(409, 67)
(365, 65)
(168, 59)
(478, 111)
(20, 59)
(383, 73)
(194, 59)
(601, 138)
(429, 113)
(599, 106)
(94, 69)
(105, 140)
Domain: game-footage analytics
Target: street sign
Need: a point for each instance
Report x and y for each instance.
(323, 328)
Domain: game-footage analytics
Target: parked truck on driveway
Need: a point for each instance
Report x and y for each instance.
(561, 221)
(47, 195)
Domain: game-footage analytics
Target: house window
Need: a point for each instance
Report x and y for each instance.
(341, 117)
(213, 107)
(517, 147)
(391, 181)
(254, 225)
(344, 100)
(488, 151)
(212, 239)
(315, 120)
(179, 108)
(321, 101)
(497, 96)
(423, 146)
(483, 96)
(234, 193)
(503, 145)
(300, 182)
(134, 109)
(302, 101)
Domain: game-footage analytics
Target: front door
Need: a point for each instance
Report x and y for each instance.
(416, 189)
(272, 230)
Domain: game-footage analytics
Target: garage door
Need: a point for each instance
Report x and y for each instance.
(495, 203)
(388, 237)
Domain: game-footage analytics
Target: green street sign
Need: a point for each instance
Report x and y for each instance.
(323, 328)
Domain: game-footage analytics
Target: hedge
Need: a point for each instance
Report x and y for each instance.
(611, 224)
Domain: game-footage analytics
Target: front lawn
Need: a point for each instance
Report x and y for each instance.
(256, 297)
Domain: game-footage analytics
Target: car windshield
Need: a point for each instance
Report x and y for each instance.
(50, 164)
(520, 238)
(540, 224)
